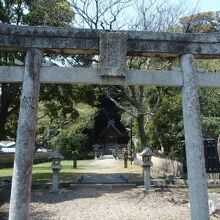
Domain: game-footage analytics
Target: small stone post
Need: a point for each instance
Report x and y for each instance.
(96, 152)
(197, 178)
(24, 153)
(146, 164)
(125, 157)
(75, 159)
(130, 155)
(56, 157)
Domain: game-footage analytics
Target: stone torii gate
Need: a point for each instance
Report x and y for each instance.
(113, 48)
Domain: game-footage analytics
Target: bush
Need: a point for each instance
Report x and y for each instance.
(72, 142)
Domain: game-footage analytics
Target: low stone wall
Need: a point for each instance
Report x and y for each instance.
(7, 159)
(163, 167)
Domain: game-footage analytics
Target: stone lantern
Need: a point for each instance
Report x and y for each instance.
(56, 157)
(146, 164)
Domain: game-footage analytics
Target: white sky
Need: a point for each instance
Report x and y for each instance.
(206, 5)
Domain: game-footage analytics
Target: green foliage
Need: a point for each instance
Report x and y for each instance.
(211, 127)
(210, 110)
(74, 136)
(3, 14)
(71, 142)
(49, 13)
(165, 127)
(57, 102)
(12, 11)
(58, 107)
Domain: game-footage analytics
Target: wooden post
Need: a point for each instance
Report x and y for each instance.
(25, 141)
(197, 179)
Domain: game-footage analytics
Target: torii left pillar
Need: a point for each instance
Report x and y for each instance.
(25, 141)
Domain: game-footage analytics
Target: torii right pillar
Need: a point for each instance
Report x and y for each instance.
(197, 179)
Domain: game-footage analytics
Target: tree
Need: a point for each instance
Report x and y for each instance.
(76, 136)
(10, 12)
(206, 22)
(165, 128)
(99, 14)
(57, 109)
(49, 13)
(203, 22)
(138, 101)
(62, 111)
(96, 14)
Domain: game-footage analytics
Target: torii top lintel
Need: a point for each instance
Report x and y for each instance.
(86, 41)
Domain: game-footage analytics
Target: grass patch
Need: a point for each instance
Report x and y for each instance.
(42, 172)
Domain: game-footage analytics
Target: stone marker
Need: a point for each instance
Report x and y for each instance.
(75, 154)
(125, 157)
(56, 157)
(96, 149)
(113, 51)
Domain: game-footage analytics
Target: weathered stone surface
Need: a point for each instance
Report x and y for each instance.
(194, 141)
(113, 51)
(92, 76)
(25, 142)
(86, 41)
(55, 181)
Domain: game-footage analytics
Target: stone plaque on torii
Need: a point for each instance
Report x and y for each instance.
(36, 41)
(113, 54)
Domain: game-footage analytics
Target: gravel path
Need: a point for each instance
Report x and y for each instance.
(100, 204)
(103, 170)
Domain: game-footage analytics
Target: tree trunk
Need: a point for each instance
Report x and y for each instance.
(141, 131)
(3, 117)
(3, 112)
(9, 104)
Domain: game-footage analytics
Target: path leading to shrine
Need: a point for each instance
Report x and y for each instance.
(104, 171)
(105, 164)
